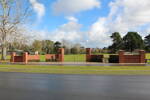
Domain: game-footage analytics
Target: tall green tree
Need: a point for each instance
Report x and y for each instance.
(132, 41)
(57, 45)
(147, 43)
(47, 46)
(117, 42)
(37, 45)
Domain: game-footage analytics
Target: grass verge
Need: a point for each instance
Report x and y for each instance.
(93, 70)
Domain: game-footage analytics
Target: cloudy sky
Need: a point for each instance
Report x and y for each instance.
(89, 22)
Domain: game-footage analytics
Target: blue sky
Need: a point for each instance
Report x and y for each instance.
(52, 21)
(89, 22)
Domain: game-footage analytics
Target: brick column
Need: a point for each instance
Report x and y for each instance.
(142, 56)
(25, 57)
(61, 55)
(121, 56)
(13, 54)
(88, 54)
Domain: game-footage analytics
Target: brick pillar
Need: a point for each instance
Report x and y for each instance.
(13, 54)
(142, 56)
(121, 56)
(88, 54)
(61, 55)
(25, 57)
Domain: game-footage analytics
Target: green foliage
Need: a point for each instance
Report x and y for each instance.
(117, 42)
(133, 41)
(75, 50)
(47, 46)
(147, 43)
(37, 45)
(57, 45)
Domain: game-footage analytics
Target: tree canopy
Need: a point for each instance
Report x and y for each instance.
(132, 41)
(117, 42)
(147, 42)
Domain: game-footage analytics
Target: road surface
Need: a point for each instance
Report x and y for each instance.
(21, 86)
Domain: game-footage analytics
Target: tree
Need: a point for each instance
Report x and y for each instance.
(47, 46)
(57, 45)
(37, 45)
(74, 50)
(18, 42)
(13, 13)
(67, 46)
(117, 42)
(133, 41)
(147, 42)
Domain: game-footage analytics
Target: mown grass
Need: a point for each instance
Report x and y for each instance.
(148, 57)
(75, 58)
(69, 58)
(94, 70)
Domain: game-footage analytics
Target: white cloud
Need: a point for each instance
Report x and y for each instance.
(124, 16)
(135, 12)
(74, 6)
(69, 31)
(98, 34)
(38, 8)
(71, 18)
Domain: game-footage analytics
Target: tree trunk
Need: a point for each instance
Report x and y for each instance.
(4, 54)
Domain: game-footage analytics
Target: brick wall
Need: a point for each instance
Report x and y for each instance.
(18, 59)
(61, 55)
(33, 57)
(56, 57)
(93, 58)
(24, 58)
(88, 54)
(126, 58)
(49, 57)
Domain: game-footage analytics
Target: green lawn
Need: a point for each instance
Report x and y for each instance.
(148, 56)
(69, 58)
(7, 57)
(94, 70)
(75, 58)
(42, 58)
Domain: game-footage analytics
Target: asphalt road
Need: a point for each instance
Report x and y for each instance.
(21, 86)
